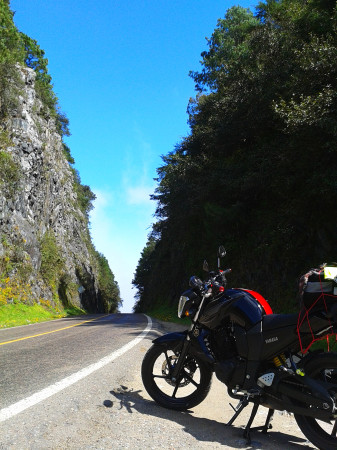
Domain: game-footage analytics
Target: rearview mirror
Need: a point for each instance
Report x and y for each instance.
(205, 266)
(222, 251)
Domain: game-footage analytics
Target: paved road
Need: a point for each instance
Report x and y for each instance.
(36, 356)
(107, 407)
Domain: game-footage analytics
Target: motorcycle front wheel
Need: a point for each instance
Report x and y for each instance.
(192, 384)
(322, 367)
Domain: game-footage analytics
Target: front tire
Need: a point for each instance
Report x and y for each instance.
(321, 367)
(191, 387)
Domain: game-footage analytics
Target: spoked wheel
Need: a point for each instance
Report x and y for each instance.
(188, 390)
(322, 434)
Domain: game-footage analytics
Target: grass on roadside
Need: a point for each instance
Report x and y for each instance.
(167, 314)
(323, 344)
(14, 315)
(74, 311)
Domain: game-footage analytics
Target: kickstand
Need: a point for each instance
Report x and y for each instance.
(267, 426)
(246, 434)
(264, 428)
(242, 404)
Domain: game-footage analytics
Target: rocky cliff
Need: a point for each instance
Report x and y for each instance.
(46, 254)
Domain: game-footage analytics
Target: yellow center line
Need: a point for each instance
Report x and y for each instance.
(54, 331)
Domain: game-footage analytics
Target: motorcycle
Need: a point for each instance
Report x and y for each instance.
(261, 357)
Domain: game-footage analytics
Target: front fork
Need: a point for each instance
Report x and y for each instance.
(187, 343)
(180, 363)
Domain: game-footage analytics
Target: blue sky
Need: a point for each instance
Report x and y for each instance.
(120, 71)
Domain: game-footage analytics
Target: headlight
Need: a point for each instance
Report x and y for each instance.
(181, 306)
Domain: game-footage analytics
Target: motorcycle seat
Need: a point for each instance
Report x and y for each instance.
(274, 321)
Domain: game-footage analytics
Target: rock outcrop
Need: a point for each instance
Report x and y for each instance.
(45, 241)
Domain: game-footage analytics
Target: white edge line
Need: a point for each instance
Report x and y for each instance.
(16, 408)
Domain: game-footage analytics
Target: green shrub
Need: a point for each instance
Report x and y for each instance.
(52, 263)
(9, 174)
(11, 52)
(85, 196)
(19, 314)
(108, 287)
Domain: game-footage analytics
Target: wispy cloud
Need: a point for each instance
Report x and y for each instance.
(139, 195)
(123, 213)
(138, 175)
(119, 230)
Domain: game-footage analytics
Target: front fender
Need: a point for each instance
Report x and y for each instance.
(171, 338)
(197, 347)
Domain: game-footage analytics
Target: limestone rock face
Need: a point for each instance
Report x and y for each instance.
(44, 233)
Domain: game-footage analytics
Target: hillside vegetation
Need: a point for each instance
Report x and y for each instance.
(258, 171)
(46, 254)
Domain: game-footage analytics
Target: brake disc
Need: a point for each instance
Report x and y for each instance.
(166, 372)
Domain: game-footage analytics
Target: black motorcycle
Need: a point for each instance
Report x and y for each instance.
(261, 357)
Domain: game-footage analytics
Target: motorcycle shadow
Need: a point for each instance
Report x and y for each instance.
(201, 428)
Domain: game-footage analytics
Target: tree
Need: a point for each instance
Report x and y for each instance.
(85, 196)
(228, 49)
(11, 52)
(108, 287)
(257, 171)
(34, 58)
(142, 274)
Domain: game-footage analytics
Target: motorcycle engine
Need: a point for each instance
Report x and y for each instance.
(222, 344)
(229, 369)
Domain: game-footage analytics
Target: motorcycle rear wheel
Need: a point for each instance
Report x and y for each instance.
(191, 387)
(323, 435)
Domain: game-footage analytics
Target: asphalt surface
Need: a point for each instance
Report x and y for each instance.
(109, 408)
(33, 357)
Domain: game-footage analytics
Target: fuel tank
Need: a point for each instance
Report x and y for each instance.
(245, 308)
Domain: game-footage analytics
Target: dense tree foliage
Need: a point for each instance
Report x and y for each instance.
(34, 58)
(108, 286)
(142, 277)
(11, 51)
(258, 171)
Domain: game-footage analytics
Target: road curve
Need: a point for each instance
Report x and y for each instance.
(109, 408)
(34, 357)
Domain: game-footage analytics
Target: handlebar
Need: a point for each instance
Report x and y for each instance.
(216, 278)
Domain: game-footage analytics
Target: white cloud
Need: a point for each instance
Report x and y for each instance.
(103, 198)
(119, 230)
(139, 195)
(123, 213)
